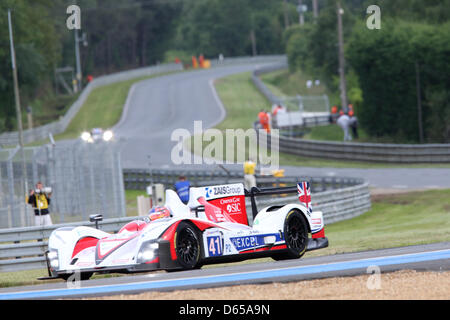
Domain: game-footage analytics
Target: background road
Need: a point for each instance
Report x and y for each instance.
(158, 106)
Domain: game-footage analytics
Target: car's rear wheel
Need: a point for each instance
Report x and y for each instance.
(188, 246)
(295, 236)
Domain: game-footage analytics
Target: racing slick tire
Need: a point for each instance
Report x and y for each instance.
(295, 235)
(188, 246)
(83, 276)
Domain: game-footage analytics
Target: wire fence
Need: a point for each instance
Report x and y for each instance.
(85, 179)
(309, 104)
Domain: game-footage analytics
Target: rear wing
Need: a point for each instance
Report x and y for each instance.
(303, 189)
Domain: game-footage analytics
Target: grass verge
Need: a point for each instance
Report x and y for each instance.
(284, 83)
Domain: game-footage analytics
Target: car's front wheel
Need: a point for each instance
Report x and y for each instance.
(295, 236)
(188, 246)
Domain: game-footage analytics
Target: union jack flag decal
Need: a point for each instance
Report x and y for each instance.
(304, 195)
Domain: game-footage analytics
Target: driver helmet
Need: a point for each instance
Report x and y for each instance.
(158, 212)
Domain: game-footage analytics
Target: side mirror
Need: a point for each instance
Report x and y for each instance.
(96, 218)
(199, 209)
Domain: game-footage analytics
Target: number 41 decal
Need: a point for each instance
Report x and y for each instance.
(214, 246)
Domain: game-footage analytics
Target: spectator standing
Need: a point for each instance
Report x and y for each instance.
(40, 202)
(353, 124)
(334, 114)
(182, 189)
(344, 123)
(264, 120)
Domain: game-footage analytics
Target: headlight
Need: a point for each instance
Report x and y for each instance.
(148, 252)
(52, 255)
(86, 136)
(108, 135)
(148, 255)
(54, 263)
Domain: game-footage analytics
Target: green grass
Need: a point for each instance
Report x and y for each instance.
(393, 221)
(284, 83)
(242, 101)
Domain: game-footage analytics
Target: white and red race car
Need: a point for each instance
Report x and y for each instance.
(211, 228)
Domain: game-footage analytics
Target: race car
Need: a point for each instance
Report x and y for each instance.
(211, 228)
(96, 135)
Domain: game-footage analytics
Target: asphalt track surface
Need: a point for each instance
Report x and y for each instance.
(158, 106)
(433, 257)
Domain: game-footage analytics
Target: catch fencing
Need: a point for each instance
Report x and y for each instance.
(308, 104)
(85, 179)
(314, 110)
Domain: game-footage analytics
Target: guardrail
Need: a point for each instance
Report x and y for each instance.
(23, 248)
(245, 60)
(274, 99)
(367, 152)
(139, 179)
(310, 121)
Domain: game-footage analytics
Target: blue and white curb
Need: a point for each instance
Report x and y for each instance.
(228, 278)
